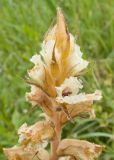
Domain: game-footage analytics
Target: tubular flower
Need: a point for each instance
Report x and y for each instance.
(35, 134)
(56, 88)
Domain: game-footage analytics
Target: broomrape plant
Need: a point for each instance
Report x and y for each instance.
(55, 87)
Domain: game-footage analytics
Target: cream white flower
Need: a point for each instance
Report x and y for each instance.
(37, 74)
(72, 99)
(47, 51)
(33, 92)
(71, 85)
(97, 95)
(36, 59)
(76, 61)
(68, 92)
(22, 133)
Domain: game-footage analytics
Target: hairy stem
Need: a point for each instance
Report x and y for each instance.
(57, 137)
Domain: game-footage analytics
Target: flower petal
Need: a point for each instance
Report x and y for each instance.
(37, 74)
(72, 99)
(68, 92)
(36, 59)
(71, 84)
(47, 51)
(76, 62)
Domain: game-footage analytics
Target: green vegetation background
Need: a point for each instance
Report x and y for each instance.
(23, 24)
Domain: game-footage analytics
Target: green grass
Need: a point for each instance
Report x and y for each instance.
(23, 24)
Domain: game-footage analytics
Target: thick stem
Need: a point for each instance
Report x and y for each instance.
(57, 137)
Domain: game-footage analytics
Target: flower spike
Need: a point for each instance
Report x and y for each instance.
(56, 87)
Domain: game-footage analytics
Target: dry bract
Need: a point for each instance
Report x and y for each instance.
(39, 97)
(21, 153)
(79, 149)
(85, 106)
(36, 133)
(76, 110)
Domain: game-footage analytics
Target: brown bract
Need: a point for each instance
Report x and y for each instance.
(37, 133)
(79, 149)
(39, 97)
(76, 110)
(20, 153)
(59, 33)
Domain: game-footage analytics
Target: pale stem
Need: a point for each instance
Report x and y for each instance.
(57, 137)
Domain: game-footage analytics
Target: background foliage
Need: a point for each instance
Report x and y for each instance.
(22, 27)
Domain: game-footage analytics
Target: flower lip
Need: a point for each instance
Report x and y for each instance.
(69, 90)
(66, 92)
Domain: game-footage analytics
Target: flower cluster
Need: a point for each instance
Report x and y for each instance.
(56, 87)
